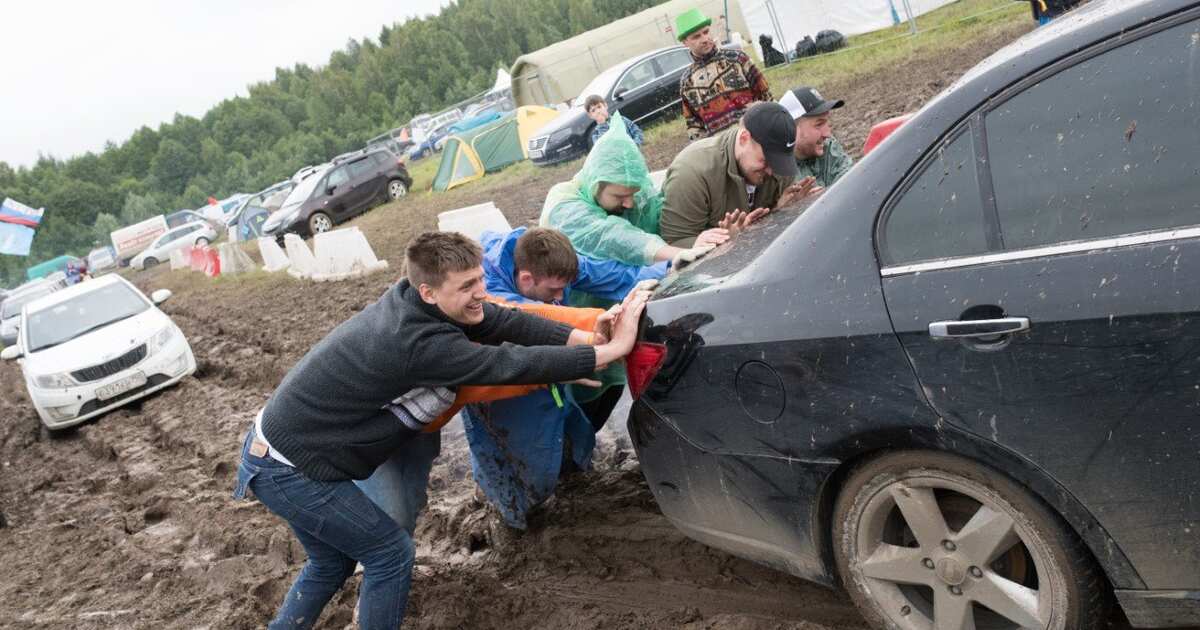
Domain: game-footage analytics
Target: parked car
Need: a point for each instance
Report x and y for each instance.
(10, 311)
(96, 346)
(432, 142)
(183, 217)
(963, 382)
(340, 192)
(245, 222)
(196, 233)
(397, 141)
(306, 171)
(131, 239)
(642, 88)
(101, 259)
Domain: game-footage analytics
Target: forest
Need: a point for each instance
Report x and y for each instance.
(305, 115)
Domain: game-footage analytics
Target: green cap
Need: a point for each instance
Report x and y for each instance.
(689, 22)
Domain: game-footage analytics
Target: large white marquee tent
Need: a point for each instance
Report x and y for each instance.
(789, 21)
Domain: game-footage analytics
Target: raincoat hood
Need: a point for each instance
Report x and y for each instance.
(499, 265)
(615, 159)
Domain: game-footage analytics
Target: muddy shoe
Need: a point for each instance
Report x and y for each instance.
(500, 535)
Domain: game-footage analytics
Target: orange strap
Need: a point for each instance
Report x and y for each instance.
(581, 318)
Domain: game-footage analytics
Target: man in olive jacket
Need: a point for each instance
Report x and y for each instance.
(732, 179)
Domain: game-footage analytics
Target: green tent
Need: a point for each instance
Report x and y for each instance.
(467, 156)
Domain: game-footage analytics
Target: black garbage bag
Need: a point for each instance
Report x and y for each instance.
(771, 57)
(806, 47)
(830, 40)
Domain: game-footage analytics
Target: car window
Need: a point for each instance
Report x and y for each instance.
(941, 214)
(674, 60)
(1109, 146)
(637, 76)
(81, 314)
(337, 177)
(361, 167)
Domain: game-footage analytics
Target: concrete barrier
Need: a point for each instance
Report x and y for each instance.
(474, 220)
(212, 262)
(342, 254)
(233, 259)
(303, 264)
(179, 259)
(273, 257)
(196, 258)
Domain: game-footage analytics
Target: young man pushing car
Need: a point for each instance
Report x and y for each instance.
(374, 383)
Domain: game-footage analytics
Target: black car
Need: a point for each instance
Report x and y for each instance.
(643, 88)
(964, 383)
(346, 188)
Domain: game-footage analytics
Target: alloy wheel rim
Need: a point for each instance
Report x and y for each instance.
(321, 224)
(937, 553)
(398, 190)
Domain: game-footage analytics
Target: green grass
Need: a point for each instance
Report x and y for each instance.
(947, 28)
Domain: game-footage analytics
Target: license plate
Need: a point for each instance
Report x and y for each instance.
(536, 153)
(132, 381)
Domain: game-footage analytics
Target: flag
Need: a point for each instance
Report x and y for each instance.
(17, 223)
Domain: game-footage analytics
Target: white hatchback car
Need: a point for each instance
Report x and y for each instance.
(95, 346)
(195, 233)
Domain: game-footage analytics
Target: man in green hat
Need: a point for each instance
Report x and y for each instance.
(720, 84)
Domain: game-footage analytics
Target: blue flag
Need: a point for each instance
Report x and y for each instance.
(17, 224)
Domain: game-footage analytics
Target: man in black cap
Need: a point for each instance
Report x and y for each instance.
(818, 153)
(730, 180)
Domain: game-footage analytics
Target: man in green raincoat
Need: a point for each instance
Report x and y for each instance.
(610, 209)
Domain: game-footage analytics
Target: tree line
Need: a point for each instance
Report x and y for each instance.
(305, 115)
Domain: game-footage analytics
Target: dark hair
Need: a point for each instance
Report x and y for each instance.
(592, 101)
(546, 253)
(432, 255)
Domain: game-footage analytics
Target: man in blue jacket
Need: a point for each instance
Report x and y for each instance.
(517, 445)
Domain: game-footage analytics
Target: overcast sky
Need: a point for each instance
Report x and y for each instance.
(75, 74)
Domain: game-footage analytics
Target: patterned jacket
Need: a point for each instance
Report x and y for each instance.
(717, 89)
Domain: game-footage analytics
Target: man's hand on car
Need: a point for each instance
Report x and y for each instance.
(799, 190)
(713, 236)
(690, 255)
(739, 220)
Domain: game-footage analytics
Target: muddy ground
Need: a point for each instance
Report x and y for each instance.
(127, 522)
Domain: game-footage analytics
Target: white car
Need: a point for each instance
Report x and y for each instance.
(187, 235)
(95, 346)
(10, 311)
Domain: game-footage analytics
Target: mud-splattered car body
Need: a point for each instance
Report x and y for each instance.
(805, 346)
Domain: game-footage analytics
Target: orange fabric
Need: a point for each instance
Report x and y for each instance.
(581, 318)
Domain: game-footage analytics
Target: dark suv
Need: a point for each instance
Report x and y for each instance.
(346, 188)
(964, 383)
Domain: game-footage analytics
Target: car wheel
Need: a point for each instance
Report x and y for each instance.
(397, 189)
(149, 262)
(201, 242)
(928, 540)
(319, 222)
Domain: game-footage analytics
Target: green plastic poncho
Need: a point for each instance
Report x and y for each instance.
(630, 237)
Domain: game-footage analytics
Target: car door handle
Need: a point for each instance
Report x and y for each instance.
(978, 327)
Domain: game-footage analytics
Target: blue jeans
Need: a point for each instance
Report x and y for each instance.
(338, 527)
(399, 485)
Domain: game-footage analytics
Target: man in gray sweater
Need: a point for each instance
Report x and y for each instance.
(367, 389)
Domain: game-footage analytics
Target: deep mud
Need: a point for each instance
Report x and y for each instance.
(127, 522)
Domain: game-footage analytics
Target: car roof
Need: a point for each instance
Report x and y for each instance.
(62, 295)
(183, 225)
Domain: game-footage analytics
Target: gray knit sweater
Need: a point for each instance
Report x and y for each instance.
(327, 415)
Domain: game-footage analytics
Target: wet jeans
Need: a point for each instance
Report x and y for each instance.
(399, 485)
(338, 526)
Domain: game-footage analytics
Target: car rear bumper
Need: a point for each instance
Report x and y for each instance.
(760, 508)
(62, 408)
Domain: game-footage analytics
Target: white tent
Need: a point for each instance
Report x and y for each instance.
(503, 81)
(789, 21)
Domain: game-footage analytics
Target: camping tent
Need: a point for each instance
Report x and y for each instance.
(559, 71)
(789, 21)
(474, 152)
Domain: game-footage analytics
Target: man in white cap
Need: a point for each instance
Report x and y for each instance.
(818, 153)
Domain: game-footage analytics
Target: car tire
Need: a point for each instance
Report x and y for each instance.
(201, 242)
(149, 262)
(990, 554)
(396, 189)
(319, 222)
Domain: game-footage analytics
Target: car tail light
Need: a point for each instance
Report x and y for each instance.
(643, 364)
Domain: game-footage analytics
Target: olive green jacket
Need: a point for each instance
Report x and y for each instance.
(703, 183)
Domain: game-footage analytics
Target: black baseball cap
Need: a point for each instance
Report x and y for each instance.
(807, 101)
(773, 128)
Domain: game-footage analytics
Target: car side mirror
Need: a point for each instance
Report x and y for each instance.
(619, 95)
(329, 190)
(10, 353)
(160, 296)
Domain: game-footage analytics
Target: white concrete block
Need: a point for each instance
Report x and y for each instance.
(303, 264)
(273, 257)
(233, 259)
(344, 253)
(474, 220)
